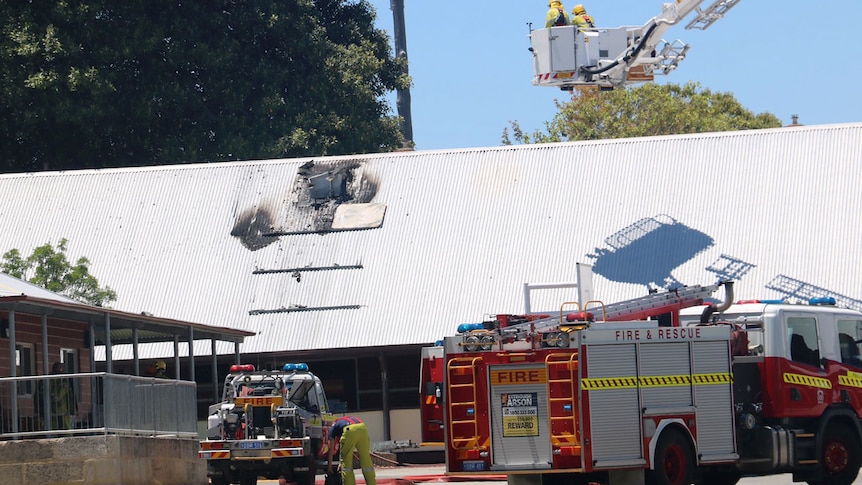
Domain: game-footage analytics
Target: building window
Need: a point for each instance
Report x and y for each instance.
(69, 359)
(25, 365)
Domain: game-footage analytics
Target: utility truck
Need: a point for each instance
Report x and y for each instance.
(269, 423)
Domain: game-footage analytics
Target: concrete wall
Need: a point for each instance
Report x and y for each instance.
(102, 460)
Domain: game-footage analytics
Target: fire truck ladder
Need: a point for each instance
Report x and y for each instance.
(635, 309)
(461, 379)
(667, 59)
(707, 17)
(562, 396)
(658, 303)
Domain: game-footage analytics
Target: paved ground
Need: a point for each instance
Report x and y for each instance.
(418, 474)
(411, 475)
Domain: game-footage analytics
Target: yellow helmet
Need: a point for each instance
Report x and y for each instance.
(579, 10)
(160, 366)
(556, 4)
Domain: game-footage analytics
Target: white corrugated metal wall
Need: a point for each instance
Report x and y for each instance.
(463, 230)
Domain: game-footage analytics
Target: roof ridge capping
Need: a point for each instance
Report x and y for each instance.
(794, 129)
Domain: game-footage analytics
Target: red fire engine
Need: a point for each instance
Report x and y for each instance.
(431, 389)
(705, 394)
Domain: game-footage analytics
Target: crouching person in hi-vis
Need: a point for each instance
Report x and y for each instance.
(347, 433)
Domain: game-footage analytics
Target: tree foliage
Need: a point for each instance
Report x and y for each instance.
(99, 83)
(646, 110)
(49, 268)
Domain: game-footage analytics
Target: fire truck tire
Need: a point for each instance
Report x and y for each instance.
(674, 460)
(840, 456)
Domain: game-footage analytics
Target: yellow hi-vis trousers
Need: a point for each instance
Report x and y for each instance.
(356, 436)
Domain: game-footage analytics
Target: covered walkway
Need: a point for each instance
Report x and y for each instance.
(44, 329)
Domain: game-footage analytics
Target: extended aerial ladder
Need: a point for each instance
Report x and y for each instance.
(566, 57)
(553, 330)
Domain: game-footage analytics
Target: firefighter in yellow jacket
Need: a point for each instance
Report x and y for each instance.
(347, 433)
(581, 19)
(64, 405)
(557, 15)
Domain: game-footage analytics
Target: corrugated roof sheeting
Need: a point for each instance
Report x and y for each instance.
(463, 230)
(11, 286)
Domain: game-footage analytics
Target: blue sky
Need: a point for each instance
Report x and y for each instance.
(472, 72)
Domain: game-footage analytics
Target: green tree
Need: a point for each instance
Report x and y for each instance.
(646, 110)
(49, 268)
(101, 83)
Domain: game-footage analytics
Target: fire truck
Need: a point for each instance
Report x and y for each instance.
(698, 393)
(431, 389)
(269, 423)
(432, 363)
(568, 58)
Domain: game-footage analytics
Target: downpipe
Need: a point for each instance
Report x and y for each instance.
(713, 308)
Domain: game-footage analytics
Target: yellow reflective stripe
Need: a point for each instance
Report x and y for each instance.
(852, 379)
(609, 383)
(597, 384)
(665, 381)
(717, 378)
(808, 381)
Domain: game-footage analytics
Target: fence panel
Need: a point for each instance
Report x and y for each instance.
(96, 403)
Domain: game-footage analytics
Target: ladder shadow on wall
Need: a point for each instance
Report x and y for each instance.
(648, 251)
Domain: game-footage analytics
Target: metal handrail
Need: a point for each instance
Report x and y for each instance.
(96, 403)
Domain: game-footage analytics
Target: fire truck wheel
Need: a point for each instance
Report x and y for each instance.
(840, 456)
(674, 460)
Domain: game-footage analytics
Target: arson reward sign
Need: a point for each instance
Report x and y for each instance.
(520, 414)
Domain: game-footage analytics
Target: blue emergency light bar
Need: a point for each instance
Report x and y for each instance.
(469, 327)
(822, 300)
(300, 367)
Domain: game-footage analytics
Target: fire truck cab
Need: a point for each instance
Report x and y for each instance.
(797, 387)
